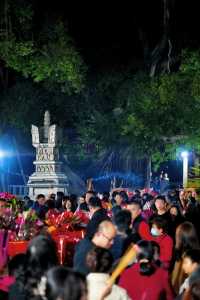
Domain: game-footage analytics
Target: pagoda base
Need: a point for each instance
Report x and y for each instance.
(47, 184)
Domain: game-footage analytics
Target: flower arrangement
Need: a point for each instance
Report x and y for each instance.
(7, 219)
(7, 196)
(21, 225)
(62, 222)
(27, 225)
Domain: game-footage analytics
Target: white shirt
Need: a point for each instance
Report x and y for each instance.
(97, 282)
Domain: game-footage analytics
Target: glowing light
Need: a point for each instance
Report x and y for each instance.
(2, 154)
(184, 154)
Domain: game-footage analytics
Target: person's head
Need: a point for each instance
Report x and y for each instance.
(106, 196)
(191, 261)
(2, 206)
(61, 283)
(104, 235)
(146, 198)
(124, 196)
(81, 199)
(41, 253)
(73, 198)
(40, 257)
(69, 204)
(186, 237)
(174, 211)
(99, 260)
(135, 208)
(41, 199)
(52, 196)
(88, 195)
(50, 204)
(145, 257)
(118, 199)
(26, 198)
(59, 196)
(160, 203)
(122, 220)
(16, 264)
(137, 193)
(159, 226)
(94, 204)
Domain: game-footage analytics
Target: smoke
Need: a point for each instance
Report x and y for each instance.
(119, 179)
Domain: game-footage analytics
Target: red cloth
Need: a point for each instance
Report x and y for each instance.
(140, 287)
(164, 241)
(6, 282)
(17, 247)
(144, 231)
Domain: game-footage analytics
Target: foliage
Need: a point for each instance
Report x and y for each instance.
(24, 104)
(49, 56)
(156, 116)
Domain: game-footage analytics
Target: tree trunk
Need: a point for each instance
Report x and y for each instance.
(148, 172)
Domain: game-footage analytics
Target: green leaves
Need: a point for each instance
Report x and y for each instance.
(48, 57)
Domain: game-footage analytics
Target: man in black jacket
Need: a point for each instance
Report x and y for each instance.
(103, 237)
(98, 213)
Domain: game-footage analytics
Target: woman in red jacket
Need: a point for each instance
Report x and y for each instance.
(145, 280)
(159, 235)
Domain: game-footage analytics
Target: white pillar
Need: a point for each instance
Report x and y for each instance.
(185, 170)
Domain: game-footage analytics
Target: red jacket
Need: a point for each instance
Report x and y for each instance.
(164, 241)
(140, 287)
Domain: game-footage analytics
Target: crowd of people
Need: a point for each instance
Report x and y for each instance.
(163, 231)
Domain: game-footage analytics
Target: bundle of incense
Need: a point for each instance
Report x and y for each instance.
(125, 260)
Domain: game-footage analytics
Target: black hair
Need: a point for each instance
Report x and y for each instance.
(193, 254)
(40, 196)
(94, 202)
(16, 264)
(40, 257)
(52, 196)
(122, 220)
(160, 197)
(59, 194)
(50, 204)
(186, 238)
(114, 194)
(59, 198)
(99, 260)
(145, 257)
(156, 248)
(160, 222)
(106, 195)
(137, 192)
(135, 201)
(146, 198)
(124, 195)
(64, 283)
(177, 207)
(72, 200)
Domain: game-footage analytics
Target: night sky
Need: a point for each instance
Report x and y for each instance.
(107, 33)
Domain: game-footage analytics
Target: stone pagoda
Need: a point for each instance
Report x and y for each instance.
(48, 176)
